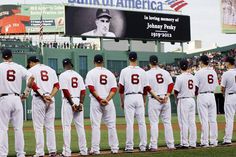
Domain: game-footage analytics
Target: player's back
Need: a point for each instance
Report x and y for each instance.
(72, 81)
(185, 85)
(159, 79)
(206, 79)
(102, 80)
(134, 79)
(45, 77)
(229, 81)
(11, 75)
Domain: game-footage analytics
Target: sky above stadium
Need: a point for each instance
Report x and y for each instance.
(204, 14)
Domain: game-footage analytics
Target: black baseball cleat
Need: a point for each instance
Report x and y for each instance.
(129, 150)
(52, 154)
(181, 147)
(226, 143)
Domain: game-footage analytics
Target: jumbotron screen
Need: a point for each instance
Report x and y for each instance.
(109, 23)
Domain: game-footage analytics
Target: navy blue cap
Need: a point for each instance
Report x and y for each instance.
(183, 64)
(103, 13)
(153, 59)
(204, 59)
(6, 54)
(98, 58)
(133, 56)
(34, 59)
(67, 61)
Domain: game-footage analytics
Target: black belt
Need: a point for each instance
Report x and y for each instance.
(159, 95)
(133, 93)
(6, 94)
(231, 93)
(206, 92)
(72, 97)
(184, 97)
(37, 95)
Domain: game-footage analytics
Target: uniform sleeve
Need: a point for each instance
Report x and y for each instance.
(177, 84)
(145, 79)
(121, 79)
(26, 74)
(62, 82)
(216, 78)
(113, 81)
(55, 79)
(81, 83)
(88, 80)
(197, 79)
(223, 80)
(169, 78)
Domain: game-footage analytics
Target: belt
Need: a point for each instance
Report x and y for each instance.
(159, 95)
(71, 97)
(6, 94)
(134, 93)
(184, 97)
(37, 95)
(231, 93)
(206, 92)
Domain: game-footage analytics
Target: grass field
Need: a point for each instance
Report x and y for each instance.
(214, 152)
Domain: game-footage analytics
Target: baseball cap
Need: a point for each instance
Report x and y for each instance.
(132, 56)
(230, 60)
(6, 54)
(183, 64)
(67, 61)
(32, 59)
(153, 59)
(98, 58)
(204, 59)
(103, 13)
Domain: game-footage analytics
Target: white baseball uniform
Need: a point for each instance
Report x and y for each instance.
(42, 113)
(73, 82)
(229, 83)
(11, 76)
(159, 79)
(134, 79)
(186, 109)
(103, 81)
(207, 81)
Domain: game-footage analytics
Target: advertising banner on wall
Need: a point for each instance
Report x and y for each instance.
(110, 23)
(20, 19)
(228, 14)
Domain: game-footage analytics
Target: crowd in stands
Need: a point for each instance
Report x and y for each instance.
(67, 45)
(216, 61)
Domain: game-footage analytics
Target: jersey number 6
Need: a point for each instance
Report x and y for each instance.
(11, 75)
(103, 79)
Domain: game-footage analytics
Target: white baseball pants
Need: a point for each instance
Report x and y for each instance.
(186, 111)
(67, 116)
(108, 115)
(43, 115)
(134, 107)
(11, 110)
(156, 110)
(206, 105)
(230, 110)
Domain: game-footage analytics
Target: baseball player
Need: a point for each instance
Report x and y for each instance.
(184, 92)
(43, 104)
(206, 82)
(73, 93)
(102, 86)
(132, 82)
(228, 87)
(162, 83)
(11, 76)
